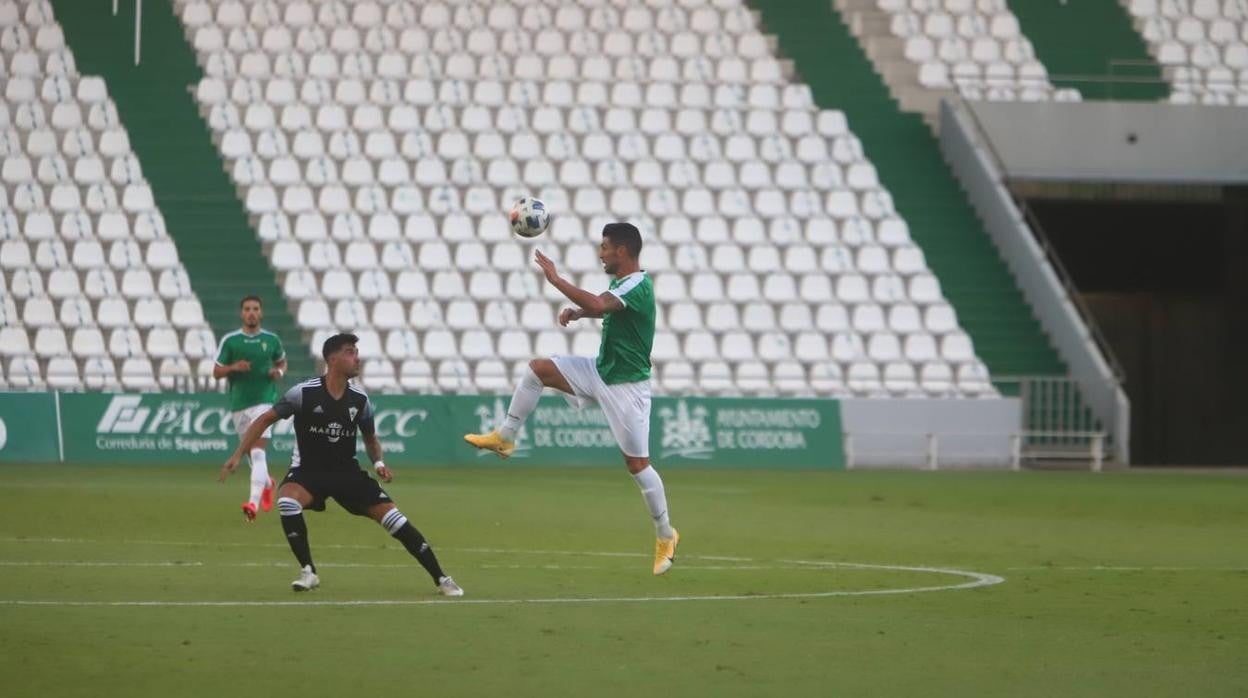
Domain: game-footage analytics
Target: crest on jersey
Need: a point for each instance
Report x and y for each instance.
(352, 411)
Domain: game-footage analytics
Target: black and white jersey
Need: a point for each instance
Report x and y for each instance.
(325, 428)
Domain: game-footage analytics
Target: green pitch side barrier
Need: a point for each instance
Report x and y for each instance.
(28, 428)
(196, 429)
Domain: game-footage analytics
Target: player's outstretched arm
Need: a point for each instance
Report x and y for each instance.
(591, 305)
(248, 438)
(610, 305)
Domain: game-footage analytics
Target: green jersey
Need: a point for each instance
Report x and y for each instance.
(628, 334)
(254, 387)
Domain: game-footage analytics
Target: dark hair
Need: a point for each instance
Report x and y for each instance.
(338, 341)
(250, 298)
(625, 235)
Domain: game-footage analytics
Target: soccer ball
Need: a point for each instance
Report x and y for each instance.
(529, 217)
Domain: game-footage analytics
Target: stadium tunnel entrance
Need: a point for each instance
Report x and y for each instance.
(1164, 272)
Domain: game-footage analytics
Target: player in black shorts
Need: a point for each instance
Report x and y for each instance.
(328, 412)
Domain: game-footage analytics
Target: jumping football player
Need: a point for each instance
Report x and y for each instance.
(618, 380)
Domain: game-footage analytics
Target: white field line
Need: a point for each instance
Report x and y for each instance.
(188, 544)
(507, 551)
(93, 563)
(365, 565)
(1124, 568)
(973, 580)
(331, 546)
(790, 565)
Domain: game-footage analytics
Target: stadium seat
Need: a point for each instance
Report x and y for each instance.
(955, 347)
(973, 380)
(75, 311)
(454, 376)
(162, 343)
(789, 378)
(198, 343)
(137, 374)
(51, 342)
(936, 378)
(715, 377)
(63, 374)
(100, 373)
(24, 374)
(175, 374)
(753, 378)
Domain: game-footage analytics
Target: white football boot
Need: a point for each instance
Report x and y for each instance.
(307, 580)
(448, 587)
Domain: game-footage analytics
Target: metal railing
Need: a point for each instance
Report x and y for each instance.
(1113, 77)
(1025, 448)
(1058, 424)
(138, 26)
(1039, 448)
(1050, 254)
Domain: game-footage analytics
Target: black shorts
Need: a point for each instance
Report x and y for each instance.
(353, 489)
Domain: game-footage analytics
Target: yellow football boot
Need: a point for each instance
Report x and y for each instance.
(492, 442)
(665, 552)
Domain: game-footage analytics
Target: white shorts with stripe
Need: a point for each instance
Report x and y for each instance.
(627, 405)
(244, 418)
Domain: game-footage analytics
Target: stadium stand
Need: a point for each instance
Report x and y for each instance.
(203, 214)
(927, 49)
(92, 290)
(941, 221)
(1202, 46)
(974, 46)
(365, 137)
(1091, 45)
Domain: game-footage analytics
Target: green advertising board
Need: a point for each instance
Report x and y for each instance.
(147, 428)
(739, 432)
(426, 430)
(28, 424)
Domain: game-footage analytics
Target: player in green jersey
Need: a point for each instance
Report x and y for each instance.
(252, 359)
(618, 380)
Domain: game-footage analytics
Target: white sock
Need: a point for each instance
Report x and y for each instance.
(522, 403)
(656, 499)
(259, 474)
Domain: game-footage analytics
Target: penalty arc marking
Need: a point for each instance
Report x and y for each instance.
(968, 580)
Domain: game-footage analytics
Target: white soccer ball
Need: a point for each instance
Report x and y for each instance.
(529, 217)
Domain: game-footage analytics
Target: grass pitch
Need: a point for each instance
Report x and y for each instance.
(147, 583)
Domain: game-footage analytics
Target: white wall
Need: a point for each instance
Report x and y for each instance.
(894, 432)
(1118, 141)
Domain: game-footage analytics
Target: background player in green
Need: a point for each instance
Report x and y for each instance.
(618, 380)
(252, 359)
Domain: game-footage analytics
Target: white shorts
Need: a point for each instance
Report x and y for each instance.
(627, 405)
(244, 418)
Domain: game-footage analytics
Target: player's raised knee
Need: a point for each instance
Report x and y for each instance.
(546, 372)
